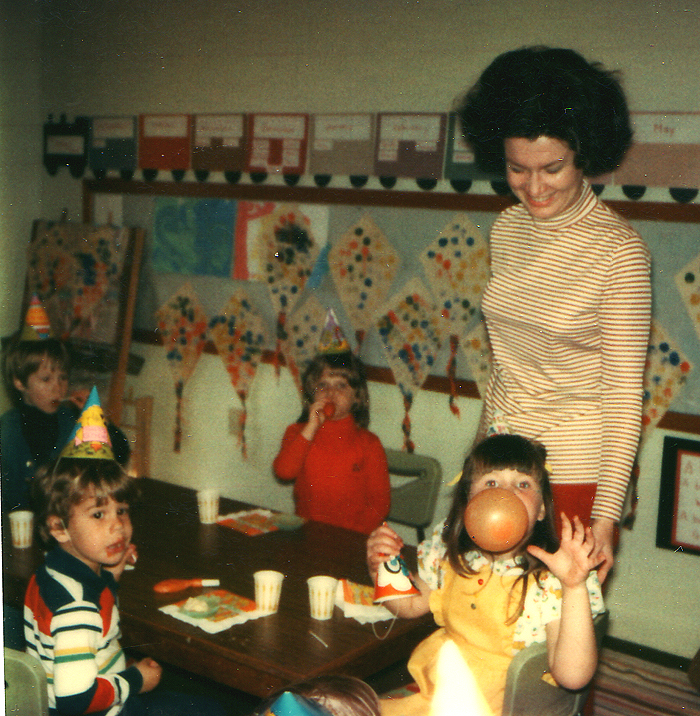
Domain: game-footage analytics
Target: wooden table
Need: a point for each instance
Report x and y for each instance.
(260, 655)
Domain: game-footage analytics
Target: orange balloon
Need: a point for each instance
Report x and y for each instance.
(496, 519)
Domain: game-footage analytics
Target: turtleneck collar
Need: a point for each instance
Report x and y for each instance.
(585, 203)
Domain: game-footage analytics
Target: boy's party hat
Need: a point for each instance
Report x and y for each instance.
(393, 581)
(289, 704)
(90, 437)
(36, 322)
(332, 339)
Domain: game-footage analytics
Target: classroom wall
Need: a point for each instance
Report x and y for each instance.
(101, 57)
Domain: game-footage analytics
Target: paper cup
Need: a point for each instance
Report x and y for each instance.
(268, 587)
(208, 504)
(322, 596)
(21, 527)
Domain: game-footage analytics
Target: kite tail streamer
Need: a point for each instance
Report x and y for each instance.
(179, 386)
(241, 424)
(281, 335)
(359, 337)
(451, 371)
(406, 423)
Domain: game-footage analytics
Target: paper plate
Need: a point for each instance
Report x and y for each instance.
(286, 521)
(212, 607)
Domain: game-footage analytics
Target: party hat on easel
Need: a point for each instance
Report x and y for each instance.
(393, 581)
(36, 322)
(332, 339)
(90, 437)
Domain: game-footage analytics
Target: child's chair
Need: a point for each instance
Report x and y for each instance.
(528, 695)
(413, 504)
(25, 685)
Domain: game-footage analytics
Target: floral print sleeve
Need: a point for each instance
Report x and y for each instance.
(431, 552)
(543, 605)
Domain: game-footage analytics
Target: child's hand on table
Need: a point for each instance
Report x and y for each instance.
(151, 671)
(576, 556)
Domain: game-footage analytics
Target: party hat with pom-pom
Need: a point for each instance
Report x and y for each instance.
(90, 437)
(332, 339)
(36, 322)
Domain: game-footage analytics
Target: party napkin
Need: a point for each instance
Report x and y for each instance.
(183, 325)
(356, 601)
(456, 267)
(363, 265)
(250, 522)
(213, 611)
(239, 335)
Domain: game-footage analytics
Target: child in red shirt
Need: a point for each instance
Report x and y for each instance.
(338, 465)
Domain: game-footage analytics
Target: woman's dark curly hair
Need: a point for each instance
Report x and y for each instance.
(352, 369)
(543, 91)
(501, 452)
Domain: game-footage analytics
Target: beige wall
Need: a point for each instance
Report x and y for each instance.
(101, 57)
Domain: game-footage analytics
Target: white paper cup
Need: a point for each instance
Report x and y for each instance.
(208, 504)
(268, 587)
(322, 596)
(22, 526)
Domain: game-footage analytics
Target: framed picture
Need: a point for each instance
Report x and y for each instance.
(678, 526)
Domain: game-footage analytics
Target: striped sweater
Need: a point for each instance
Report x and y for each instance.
(71, 624)
(568, 310)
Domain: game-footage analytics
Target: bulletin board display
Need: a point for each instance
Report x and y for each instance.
(678, 526)
(194, 234)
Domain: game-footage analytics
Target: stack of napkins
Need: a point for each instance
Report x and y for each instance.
(357, 602)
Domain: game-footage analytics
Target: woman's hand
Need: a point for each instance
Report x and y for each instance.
(576, 557)
(604, 534)
(382, 544)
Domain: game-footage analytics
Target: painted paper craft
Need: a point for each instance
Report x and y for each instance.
(456, 267)
(665, 373)
(193, 236)
(477, 349)
(75, 270)
(302, 335)
(238, 333)
(290, 254)
(688, 282)
(410, 329)
(363, 265)
(183, 325)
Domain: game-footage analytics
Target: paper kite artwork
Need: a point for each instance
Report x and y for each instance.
(363, 265)
(665, 373)
(183, 324)
(239, 334)
(456, 267)
(290, 253)
(303, 333)
(688, 283)
(75, 270)
(411, 331)
(477, 349)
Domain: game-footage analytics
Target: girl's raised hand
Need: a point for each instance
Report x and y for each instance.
(576, 556)
(382, 544)
(317, 417)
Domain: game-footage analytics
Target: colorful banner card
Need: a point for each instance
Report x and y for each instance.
(164, 141)
(342, 144)
(277, 143)
(219, 142)
(410, 145)
(666, 151)
(113, 144)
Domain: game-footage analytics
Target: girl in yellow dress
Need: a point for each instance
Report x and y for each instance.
(490, 605)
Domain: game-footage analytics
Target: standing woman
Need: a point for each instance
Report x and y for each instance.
(568, 303)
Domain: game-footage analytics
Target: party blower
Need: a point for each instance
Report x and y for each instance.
(393, 581)
(177, 585)
(496, 520)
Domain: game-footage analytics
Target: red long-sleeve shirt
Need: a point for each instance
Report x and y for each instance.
(341, 476)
